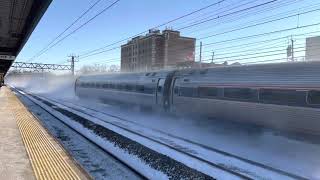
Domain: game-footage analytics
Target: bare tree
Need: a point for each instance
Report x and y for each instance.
(98, 68)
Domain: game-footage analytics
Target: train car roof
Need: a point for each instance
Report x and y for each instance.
(296, 73)
(126, 76)
(311, 66)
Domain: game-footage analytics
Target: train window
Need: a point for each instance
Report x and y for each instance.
(92, 85)
(148, 90)
(204, 71)
(140, 88)
(314, 97)
(176, 90)
(98, 85)
(187, 91)
(129, 87)
(240, 93)
(192, 72)
(105, 86)
(112, 86)
(282, 96)
(208, 91)
(120, 87)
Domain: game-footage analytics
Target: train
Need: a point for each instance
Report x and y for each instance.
(283, 96)
(1, 79)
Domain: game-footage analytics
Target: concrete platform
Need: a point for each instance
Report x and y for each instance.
(27, 151)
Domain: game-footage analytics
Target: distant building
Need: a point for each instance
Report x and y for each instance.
(313, 48)
(156, 50)
(184, 65)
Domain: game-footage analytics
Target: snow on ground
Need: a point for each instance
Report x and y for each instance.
(277, 151)
(95, 161)
(267, 147)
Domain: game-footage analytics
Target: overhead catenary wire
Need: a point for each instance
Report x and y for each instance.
(231, 40)
(66, 29)
(81, 26)
(265, 22)
(157, 26)
(237, 58)
(310, 11)
(242, 15)
(217, 13)
(219, 43)
(87, 54)
(228, 14)
(251, 54)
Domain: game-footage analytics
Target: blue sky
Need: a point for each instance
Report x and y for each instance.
(130, 17)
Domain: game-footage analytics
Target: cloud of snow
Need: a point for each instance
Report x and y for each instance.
(61, 85)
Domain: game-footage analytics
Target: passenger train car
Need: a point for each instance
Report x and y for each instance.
(282, 96)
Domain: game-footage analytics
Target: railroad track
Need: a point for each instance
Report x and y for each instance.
(208, 148)
(237, 167)
(138, 174)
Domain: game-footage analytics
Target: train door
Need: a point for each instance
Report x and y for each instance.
(159, 91)
(174, 89)
(1, 79)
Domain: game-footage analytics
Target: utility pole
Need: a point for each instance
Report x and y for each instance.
(292, 50)
(72, 60)
(212, 57)
(200, 58)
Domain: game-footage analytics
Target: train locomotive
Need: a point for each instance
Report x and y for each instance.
(282, 96)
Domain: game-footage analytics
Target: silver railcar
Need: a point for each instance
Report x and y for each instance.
(144, 89)
(283, 96)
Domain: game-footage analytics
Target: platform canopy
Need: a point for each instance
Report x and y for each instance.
(18, 18)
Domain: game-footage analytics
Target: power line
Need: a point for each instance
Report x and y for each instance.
(251, 36)
(66, 29)
(239, 16)
(88, 54)
(100, 52)
(82, 25)
(235, 12)
(265, 22)
(160, 25)
(202, 15)
(236, 57)
(232, 60)
(251, 54)
(235, 39)
(261, 34)
(270, 60)
(263, 41)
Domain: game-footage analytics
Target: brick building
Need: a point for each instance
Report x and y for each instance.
(156, 50)
(313, 48)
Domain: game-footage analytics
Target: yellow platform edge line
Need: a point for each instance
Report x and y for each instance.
(46, 159)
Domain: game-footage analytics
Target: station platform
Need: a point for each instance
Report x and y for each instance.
(27, 151)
